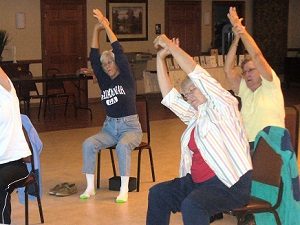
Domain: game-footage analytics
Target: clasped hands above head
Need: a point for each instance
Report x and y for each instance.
(235, 20)
(100, 17)
(162, 41)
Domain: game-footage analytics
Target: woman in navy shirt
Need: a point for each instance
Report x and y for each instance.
(118, 95)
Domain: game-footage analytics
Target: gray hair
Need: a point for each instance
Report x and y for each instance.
(107, 54)
(185, 83)
(246, 60)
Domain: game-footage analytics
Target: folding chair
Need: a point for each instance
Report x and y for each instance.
(55, 90)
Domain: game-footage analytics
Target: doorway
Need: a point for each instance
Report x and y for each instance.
(64, 34)
(64, 39)
(183, 20)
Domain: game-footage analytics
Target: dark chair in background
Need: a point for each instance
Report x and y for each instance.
(142, 110)
(27, 91)
(266, 173)
(55, 91)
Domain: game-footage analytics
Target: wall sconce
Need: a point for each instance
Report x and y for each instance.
(20, 20)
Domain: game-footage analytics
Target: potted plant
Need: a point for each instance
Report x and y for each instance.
(3, 41)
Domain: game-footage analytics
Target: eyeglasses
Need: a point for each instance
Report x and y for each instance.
(186, 94)
(248, 71)
(108, 63)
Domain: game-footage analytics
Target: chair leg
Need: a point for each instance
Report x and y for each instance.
(98, 169)
(151, 163)
(139, 170)
(112, 161)
(45, 106)
(38, 198)
(40, 106)
(28, 108)
(66, 105)
(26, 206)
(75, 106)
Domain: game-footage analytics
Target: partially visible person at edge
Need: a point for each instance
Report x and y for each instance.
(118, 95)
(13, 147)
(215, 166)
(258, 86)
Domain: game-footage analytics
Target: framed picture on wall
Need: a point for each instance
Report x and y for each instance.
(128, 19)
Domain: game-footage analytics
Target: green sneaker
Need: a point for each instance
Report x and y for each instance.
(86, 195)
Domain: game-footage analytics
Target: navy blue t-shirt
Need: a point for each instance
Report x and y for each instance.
(118, 95)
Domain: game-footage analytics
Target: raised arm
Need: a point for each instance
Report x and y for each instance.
(184, 60)
(231, 72)
(259, 60)
(105, 24)
(95, 38)
(163, 78)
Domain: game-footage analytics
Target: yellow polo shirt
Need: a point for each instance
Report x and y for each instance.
(263, 107)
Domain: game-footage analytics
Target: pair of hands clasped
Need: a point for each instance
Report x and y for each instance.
(162, 43)
(236, 22)
(103, 21)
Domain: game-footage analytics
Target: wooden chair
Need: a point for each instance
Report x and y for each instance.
(55, 90)
(33, 182)
(266, 173)
(292, 124)
(142, 109)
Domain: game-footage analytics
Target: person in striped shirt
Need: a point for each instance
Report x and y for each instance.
(215, 166)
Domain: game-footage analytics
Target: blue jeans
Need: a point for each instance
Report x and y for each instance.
(124, 132)
(196, 201)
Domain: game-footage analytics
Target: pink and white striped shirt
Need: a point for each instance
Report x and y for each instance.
(219, 133)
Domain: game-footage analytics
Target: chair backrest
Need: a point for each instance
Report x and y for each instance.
(30, 158)
(142, 110)
(28, 87)
(292, 124)
(55, 86)
(266, 164)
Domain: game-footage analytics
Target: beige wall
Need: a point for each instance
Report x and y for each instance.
(28, 40)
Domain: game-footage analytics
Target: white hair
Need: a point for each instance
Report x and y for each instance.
(107, 54)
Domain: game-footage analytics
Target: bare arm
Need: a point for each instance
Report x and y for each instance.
(105, 23)
(231, 72)
(258, 59)
(184, 60)
(163, 78)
